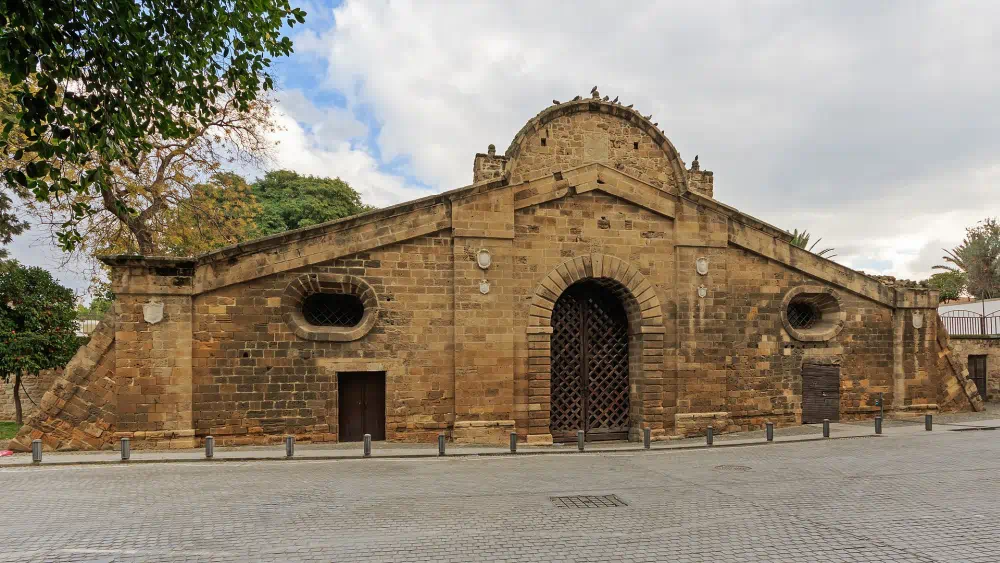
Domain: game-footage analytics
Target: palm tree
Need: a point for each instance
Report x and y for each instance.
(801, 240)
(978, 257)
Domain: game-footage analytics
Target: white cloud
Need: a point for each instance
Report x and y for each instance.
(327, 124)
(319, 142)
(870, 124)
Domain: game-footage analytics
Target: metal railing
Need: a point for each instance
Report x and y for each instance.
(971, 323)
(87, 324)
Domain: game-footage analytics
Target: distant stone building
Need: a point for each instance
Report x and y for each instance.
(588, 279)
(980, 356)
(974, 327)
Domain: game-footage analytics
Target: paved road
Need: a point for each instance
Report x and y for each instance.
(909, 498)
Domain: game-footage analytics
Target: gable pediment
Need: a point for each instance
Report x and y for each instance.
(594, 177)
(486, 210)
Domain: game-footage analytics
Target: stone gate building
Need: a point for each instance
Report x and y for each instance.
(586, 279)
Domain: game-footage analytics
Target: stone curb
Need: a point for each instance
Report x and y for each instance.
(375, 455)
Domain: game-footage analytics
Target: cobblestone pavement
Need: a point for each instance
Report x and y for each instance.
(907, 498)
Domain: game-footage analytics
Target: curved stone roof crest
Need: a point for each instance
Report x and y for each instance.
(625, 113)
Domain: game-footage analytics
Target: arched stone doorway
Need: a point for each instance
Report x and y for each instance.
(590, 383)
(645, 329)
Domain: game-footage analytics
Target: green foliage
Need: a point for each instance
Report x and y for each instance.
(8, 430)
(950, 285)
(216, 213)
(94, 81)
(96, 310)
(10, 224)
(37, 321)
(978, 257)
(801, 240)
(292, 201)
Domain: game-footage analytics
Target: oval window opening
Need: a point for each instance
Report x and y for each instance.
(802, 314)
(333, 309)
(812, 313)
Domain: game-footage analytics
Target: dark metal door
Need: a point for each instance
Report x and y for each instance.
(977, 373)
(820, 393)
(361, 405)
(589, 382)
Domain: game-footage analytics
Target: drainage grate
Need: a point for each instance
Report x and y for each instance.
(588, 501)
(732, 467)
(974, 428)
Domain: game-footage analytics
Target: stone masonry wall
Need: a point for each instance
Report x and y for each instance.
(551, 233)
(582, 138)
(488, 166)
(963, 347)
(79, 410)
(153, 371)
(763, 363)
(212, 345)
(254, 380)
(702, 182)
(32, 389)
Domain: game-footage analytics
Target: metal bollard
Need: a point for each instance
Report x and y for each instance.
(513, 442)
(209, 447)
(440, 444)
(928, 422)
(289, 446)
(826, 427)
(368, 445)
(769, 431)
(709, 435)
(878, 424)
(126, 449)
(36, 451)
(579, 439)
(646, 436)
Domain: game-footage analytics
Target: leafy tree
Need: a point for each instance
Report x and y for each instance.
(801, 240)
(96, 309)
(10, 224)
(292, 201)
(218, 213)
(37, 325)
(950, 285)
(175, 199)
(978, 257)
(95, 84)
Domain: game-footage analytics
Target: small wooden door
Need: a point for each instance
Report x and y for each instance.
(361, 405)
(820, 393)
(977, 373)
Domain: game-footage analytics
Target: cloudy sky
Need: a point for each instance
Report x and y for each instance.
(871, 124)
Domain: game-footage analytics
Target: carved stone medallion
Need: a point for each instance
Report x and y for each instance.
(701, 265)
(152, 312)
(483, 259)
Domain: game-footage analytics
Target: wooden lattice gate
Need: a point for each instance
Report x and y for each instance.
(589, 382)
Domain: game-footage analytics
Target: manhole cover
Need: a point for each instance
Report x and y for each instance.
(588, 501)
(732, 467)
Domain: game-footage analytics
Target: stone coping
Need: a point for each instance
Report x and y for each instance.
(974, 337)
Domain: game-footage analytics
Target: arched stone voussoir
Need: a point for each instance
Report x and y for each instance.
(645, 324)
(594, 266)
